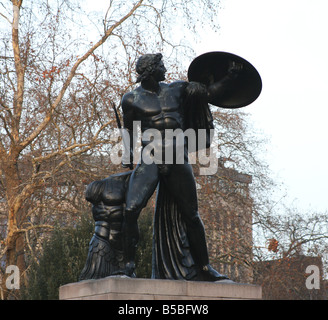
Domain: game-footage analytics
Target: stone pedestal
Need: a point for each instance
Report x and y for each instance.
(121, 288)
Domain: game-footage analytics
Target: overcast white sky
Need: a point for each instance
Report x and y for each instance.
(286, 40)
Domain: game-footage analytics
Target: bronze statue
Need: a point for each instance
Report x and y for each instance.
(162, 106)
(179, 244)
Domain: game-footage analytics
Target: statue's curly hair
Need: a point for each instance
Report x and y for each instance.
(146, 65)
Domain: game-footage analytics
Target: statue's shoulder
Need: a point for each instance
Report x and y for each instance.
(129, 95)
(129, 98)
(179, 85)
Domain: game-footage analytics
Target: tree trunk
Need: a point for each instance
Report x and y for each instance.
(15, 239)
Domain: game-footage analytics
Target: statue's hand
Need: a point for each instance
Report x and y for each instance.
(127, 162)
(235, 67)
(129, 165)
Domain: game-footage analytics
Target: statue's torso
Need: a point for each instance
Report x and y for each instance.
(159, 111)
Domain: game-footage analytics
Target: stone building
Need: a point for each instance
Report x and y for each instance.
(226, 210)
(292, 278)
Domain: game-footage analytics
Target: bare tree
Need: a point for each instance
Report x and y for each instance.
(58, 86)
(286, 242)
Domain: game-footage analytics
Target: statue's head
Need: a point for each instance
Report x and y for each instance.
(150, 65)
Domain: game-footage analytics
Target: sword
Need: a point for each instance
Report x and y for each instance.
(118, 121)
(126, 158)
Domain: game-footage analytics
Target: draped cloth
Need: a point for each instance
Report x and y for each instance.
(171, 256)
(196, 112)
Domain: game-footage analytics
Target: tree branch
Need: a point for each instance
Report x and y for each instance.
(71, 75)
(2, 15)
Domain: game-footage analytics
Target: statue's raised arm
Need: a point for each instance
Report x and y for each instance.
(231, 81)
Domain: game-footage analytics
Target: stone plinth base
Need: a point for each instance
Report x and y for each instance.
(121, 288)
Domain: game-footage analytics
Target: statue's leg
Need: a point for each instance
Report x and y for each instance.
(116, 240)
(115, 234)
(142, 185)
(181, 183)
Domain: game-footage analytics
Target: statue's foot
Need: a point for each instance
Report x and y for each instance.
(129, 269)
(208, 273)
(122, 273)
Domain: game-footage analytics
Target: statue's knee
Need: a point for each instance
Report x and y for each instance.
(132, 211)
(131, 215)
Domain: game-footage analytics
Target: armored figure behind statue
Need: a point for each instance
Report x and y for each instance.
(106, 252)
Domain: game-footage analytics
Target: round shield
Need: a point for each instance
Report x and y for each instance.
(212, 67)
